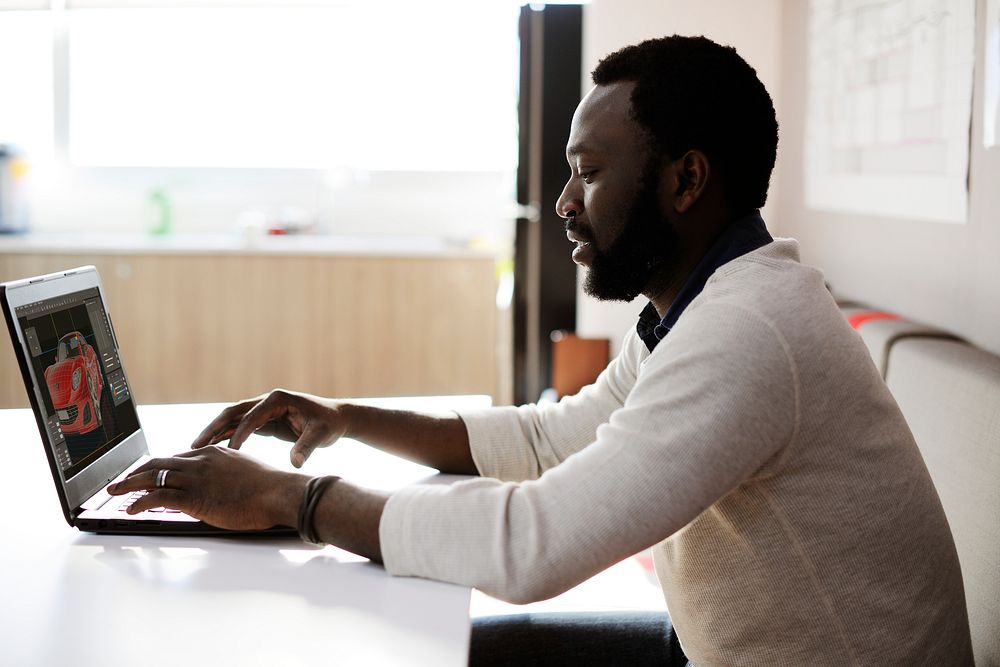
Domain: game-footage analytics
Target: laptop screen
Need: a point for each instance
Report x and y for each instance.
(86, 401)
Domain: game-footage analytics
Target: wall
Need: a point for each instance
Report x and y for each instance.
(943, 274)
(754, 28)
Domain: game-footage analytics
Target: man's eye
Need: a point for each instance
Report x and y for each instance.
(588, 176)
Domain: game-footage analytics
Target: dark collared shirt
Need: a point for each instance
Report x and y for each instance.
(745, 235)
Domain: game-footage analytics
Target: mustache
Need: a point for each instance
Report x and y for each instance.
(571, 224)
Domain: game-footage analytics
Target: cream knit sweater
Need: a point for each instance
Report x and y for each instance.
(757, 448)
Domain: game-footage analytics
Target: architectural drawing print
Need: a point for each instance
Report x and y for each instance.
(991, 77)
(889, 107)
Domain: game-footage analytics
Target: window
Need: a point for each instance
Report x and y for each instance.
(408, 87)
(26, 81)
(322, 106)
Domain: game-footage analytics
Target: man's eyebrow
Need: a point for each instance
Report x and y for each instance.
(576, 149)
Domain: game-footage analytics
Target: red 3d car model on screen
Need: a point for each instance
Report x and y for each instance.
(75, 384)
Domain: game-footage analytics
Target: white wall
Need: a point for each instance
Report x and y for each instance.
(947, 275)
(754, 28)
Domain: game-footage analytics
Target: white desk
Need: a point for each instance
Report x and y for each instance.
(81, 599)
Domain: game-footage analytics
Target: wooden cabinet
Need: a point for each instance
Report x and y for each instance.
(220, 327)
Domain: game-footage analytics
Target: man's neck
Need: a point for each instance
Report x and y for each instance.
(663, 289)
(663, 292)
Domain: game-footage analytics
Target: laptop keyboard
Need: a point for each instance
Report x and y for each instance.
(134, 496)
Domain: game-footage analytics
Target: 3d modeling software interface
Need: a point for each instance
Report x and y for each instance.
(78, 376)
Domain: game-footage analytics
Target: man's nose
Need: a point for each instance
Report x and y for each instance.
(569, 204)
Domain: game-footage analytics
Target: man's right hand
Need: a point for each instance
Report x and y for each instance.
(308, 421)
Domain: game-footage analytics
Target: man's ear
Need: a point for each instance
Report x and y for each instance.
(687, 177)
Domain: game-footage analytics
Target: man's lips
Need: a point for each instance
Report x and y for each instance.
(582, 252)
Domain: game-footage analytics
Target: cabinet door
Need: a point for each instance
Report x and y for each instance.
(195, 328)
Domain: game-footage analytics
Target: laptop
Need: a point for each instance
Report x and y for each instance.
(69, 358)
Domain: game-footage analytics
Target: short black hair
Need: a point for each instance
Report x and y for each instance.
(693, 94)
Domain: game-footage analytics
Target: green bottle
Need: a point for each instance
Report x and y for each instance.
(161, 201)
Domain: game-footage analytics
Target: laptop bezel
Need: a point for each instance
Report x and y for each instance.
(76, 490)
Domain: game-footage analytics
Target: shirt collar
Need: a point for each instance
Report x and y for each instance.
(744, 235)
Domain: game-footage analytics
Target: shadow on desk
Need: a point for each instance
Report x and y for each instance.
(266, 585)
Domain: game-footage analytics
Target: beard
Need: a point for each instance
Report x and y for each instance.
(641, 254)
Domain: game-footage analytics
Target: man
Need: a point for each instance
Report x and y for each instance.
(743, 431)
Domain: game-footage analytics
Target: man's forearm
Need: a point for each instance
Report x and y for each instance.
(347, 515)
(438, 441)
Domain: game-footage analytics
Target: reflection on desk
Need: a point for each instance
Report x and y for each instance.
(82, 599)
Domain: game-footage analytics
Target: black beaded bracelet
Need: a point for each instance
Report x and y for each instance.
(314, 490)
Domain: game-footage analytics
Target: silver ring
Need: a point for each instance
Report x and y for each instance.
(161, 478)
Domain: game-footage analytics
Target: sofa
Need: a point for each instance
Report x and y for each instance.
(949, 392)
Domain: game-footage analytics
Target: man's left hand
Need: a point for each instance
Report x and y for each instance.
(219, 486)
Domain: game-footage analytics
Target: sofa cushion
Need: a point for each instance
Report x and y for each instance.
(881, 329)
(949, 393)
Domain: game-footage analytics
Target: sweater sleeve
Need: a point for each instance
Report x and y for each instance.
(713, 403)
(520, 443)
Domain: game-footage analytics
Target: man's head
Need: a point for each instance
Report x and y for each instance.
(677, 138)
